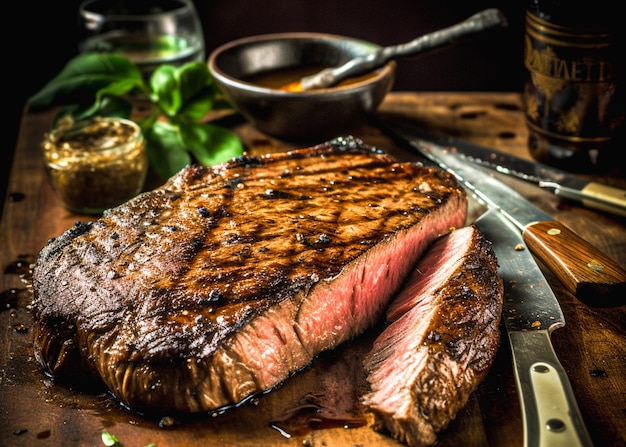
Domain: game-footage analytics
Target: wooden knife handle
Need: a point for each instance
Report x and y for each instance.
(593, 277)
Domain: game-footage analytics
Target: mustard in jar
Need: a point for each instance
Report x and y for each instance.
(96, 164)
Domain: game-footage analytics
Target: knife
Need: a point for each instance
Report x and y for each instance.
(592, 276)
(588, 193)
(531, 312)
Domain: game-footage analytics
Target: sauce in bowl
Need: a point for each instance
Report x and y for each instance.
(278, 79)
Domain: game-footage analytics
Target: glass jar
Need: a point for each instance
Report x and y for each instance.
(96, 164)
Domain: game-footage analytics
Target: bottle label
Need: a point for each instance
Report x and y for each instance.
(571, 95)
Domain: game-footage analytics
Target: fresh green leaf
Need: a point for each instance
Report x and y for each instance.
(196, 108)
(85, 75)
(119, 88)
(166, 150)
(111, 106)
(193, 77)
(184, 92)
(211, 144)
(107, 106)
(165, 89)
(197, 90)
(110, 440)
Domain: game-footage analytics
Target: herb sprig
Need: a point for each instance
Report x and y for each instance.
(110, 440)
(104, 84)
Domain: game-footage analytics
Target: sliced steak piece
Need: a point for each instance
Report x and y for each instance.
(225, 281)
(441, 341)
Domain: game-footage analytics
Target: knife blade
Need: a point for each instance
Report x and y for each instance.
(531, 312)
(588, 273)
(588, 193)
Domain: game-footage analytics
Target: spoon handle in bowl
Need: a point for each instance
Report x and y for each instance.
(488, 18)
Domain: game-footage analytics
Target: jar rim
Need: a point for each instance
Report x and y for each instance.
(74, 135)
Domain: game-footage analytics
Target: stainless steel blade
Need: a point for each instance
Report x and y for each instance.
(587, 272)
(487, 189)
(530, 313)
(562, 183)
(590, 194)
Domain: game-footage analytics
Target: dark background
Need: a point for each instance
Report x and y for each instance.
(46, 39)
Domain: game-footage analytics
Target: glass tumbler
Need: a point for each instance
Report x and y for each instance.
(148, 33)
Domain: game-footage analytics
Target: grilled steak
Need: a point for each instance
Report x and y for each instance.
(226, 280)
(441, 341)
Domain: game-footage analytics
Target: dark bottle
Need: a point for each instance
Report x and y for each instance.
(574, 94)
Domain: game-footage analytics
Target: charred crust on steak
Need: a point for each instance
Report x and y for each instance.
(176, 319)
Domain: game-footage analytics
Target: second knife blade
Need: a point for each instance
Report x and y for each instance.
(591, 194)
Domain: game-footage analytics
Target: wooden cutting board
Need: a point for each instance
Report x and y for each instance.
(36, 411)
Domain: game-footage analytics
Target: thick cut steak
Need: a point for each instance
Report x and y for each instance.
(226, 280)
(441, 340)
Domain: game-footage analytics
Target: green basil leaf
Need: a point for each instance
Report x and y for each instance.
(148, 121)
(193, 78)
(114, 106)
(211, 144)
(196, 107)
(84, 76)
(110, 106)
(119, 88)
(166, 151)
(165, 89)
(197, 91)
(107, 106)
(110, 440)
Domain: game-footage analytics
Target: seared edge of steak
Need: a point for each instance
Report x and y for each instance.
(226, 280)
(441, 340)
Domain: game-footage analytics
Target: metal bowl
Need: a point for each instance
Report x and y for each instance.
(309, 115)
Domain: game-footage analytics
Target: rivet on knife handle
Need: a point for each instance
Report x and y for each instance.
(550, 412)
(585, 271)
(554, 407)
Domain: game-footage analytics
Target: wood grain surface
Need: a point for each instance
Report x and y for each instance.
(592, 346)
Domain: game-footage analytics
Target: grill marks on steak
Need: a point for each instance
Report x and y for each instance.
(441, 341)
(226, 280)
